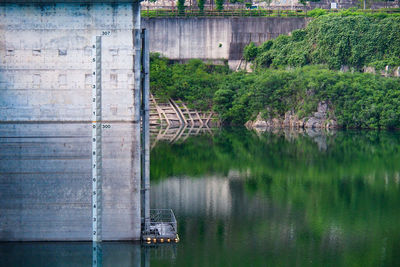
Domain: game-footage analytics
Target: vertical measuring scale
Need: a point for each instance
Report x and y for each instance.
(96, 150)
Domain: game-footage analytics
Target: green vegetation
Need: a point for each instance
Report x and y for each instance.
(317, 12)
(349, 40)
(171, 12)
(200, 4)
(219, 4)
(294, 73)
(360, 100)
(181, 7)
(194, 82)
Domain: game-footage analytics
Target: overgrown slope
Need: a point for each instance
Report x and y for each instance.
(353, 41)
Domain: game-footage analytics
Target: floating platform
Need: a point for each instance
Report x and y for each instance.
(162, 228)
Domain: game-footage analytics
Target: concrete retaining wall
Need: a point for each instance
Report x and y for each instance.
(214, 38)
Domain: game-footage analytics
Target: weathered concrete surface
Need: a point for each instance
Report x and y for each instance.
(45, 61)
(45, 182)
(214, 38)
(45, 76)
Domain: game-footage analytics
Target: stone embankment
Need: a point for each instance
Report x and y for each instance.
(322, 119)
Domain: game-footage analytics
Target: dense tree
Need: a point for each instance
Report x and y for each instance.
(219, 4)
(181, 6)
(200, 4)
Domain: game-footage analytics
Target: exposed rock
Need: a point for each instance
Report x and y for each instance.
(369, 70)
(320, 119)
(397, 72)
(344, 68)
(259, 122)
(387, 72)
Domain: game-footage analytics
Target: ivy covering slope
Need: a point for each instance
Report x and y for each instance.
(335, 40)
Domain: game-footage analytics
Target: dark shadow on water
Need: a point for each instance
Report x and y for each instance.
(77, 254)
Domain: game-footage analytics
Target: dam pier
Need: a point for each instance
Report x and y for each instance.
(52, 100)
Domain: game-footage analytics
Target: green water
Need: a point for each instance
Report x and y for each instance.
(283, 198)
(244, 198)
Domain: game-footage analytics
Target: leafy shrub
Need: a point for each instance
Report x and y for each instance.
(219, 4)
(194, 82)
(250, 52)
(200, 4)
(181, 6)
(339, 40)
(317, 12)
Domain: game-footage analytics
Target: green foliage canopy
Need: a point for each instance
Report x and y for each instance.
(219, 4)
(355, 41)
(181, 6)
(200, 4)
(194, 82)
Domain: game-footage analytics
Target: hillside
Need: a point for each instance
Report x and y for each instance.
(339, 41)
(294, 75)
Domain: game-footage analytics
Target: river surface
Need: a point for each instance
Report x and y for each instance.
(243, 198)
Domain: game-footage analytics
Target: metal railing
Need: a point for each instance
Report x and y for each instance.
(162, 225)
(173, 12)
(300, 12)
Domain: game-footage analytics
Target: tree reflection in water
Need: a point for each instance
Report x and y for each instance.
(283, 197)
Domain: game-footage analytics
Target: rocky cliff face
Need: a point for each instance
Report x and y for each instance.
(320, 119)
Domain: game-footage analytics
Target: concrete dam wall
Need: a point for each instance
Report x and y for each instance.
(45, 121)
(45, 67)
(214, 38)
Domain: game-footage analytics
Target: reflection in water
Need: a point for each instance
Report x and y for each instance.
(210, 196)
(45, 182)
(319, 136)
(282, 198)
(243, 198)
(97, 254)
(69, 254)
(77, 254)
(177, 134)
